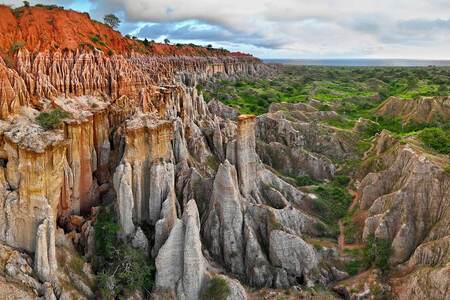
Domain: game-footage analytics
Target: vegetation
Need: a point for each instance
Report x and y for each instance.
(376, 253)
(305, 180)
(333, 202)
(437, 139)
(49, 7)
(121, 269)
(166, 41)
(51, 120)
(16, 46)
(217, 289)
(111, 20)
(447, 169)
(356, 89)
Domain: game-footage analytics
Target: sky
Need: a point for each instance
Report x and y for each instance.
(319, 29)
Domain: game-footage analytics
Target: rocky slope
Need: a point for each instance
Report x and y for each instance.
(404, 192)
(421, 110)
(138, 134)
(194, 185)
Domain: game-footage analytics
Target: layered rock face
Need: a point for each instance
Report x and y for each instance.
(407, 197)
(421, 110)
(291, 140)
(131, 120)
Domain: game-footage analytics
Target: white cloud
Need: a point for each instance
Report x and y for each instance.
(302, 28)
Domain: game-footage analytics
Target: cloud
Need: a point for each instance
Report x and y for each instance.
(195, 30)
(297, 28)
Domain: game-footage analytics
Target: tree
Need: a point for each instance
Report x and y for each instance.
(112, 21)
(209, 46)
(26, 3)
(146, 42)
(166, 41)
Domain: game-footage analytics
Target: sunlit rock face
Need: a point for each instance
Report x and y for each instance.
(32, 179)
(406, 194)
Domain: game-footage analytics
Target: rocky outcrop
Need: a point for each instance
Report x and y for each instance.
(32, 179)
(45, 254)
(180, 263)
(291, 140)
(406, 193)
(408, 200)
(420, 110)
(125, 201)
(224, 222)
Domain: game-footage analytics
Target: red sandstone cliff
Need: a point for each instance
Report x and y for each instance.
(51, 28)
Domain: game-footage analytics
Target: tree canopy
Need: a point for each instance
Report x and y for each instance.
(112, 20)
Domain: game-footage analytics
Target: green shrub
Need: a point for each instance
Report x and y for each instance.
(332, 203)
(447, 169)
(353, 267)
(377, 253)
(135, 272)
(341, 180)
(437, 139)
(217, 289)
(106, 230)
(49, 7)
(305, 180)
(52, 119)
(95, 38)
(119, 267)
(16, 46)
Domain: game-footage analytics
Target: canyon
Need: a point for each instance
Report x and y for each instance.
(198, 187)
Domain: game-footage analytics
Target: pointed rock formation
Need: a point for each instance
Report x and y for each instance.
(180, 265)
(45, 255)
(223, 227)
(124, 204)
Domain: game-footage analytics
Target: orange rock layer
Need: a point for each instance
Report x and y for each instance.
(52, 28)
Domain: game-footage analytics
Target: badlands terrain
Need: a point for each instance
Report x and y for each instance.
(136, 170)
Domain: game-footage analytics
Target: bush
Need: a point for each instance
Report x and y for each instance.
(437, 139)
(447, 169)
(51, 120)
(16, 46)
(341, 180)
(305, 180)
(106, 230)
(332, 204)
(377, 253)
(95, 38)
(353, 267)
(217, 289)
(120, 267)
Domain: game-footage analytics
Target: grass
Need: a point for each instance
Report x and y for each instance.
(51, 120)
(217, 289)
